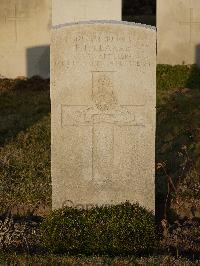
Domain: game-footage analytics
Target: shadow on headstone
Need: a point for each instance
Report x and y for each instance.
(198, 55)
(38, 61)
(193, 81)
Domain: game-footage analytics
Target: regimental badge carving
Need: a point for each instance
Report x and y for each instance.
(103, 91)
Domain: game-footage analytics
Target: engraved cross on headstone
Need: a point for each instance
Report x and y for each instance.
(15, 18)
(3, 15)
(104, 116)
(191, 23)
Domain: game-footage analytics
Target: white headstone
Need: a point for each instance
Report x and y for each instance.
(25, 38)
(178, 25)
(103, 96)
(64, 11)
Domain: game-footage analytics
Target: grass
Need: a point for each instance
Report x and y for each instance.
(25, 184)
(114, 230)
(54, 260)
(178, 136)
(24, 146)
(25, 138)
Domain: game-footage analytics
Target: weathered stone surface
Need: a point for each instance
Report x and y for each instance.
(178, 25)
(64, 11)
(25, 38)
(103, 95)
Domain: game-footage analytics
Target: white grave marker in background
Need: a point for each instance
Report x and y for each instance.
(178, 25)
(64, 11)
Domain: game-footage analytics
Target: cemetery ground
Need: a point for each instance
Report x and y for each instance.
(25, 181)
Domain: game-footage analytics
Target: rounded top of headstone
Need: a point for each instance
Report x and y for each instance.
(104, 22)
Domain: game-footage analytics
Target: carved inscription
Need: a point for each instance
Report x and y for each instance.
(109, 50)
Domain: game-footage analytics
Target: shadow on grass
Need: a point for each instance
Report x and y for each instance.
(25, 183)
(22, 104)
(177, 142)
